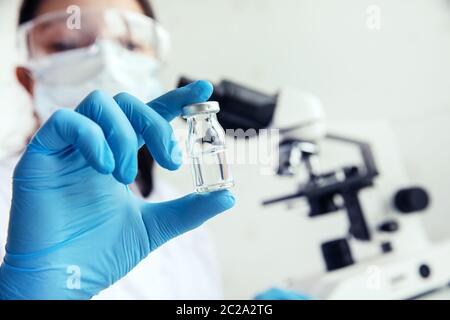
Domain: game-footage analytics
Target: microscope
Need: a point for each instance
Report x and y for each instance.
(403, 264)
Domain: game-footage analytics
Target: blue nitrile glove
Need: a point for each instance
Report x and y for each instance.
(75, 227)
(281, 294)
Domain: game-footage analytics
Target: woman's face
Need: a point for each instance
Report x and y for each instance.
(49, 6)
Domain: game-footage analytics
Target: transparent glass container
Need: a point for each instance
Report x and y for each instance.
(206, 148)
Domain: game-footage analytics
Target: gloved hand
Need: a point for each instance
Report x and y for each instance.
(75, 227)
(281, 294)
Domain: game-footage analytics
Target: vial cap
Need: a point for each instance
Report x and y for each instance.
(201, 108)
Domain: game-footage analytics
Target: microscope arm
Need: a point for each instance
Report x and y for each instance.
(365, 150)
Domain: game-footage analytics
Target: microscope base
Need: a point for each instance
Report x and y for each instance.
(391, 277)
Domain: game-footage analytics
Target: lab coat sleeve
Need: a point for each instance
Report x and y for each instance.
(6, 171)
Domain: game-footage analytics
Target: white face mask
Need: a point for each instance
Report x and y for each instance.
(62, 80)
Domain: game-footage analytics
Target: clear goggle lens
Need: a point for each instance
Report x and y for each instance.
(57, 32)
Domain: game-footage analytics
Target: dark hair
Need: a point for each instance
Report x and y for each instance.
(29, 8)
(144, 179)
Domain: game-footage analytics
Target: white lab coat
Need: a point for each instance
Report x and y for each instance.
(183, 268)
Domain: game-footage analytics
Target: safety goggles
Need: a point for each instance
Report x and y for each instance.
(60, 31)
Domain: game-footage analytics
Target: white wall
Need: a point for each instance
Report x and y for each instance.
(400, 73)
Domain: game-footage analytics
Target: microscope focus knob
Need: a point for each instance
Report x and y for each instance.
(337, 254)
(411, 200)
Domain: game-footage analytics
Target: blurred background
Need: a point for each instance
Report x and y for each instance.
(387, 85)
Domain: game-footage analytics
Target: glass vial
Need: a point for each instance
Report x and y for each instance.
(206, 148)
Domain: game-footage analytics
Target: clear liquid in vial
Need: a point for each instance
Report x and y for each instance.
(211, 171)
